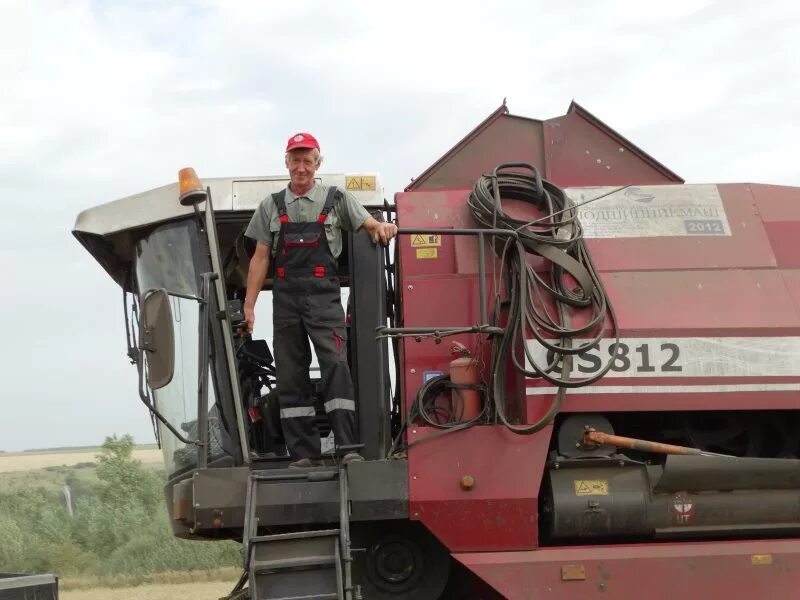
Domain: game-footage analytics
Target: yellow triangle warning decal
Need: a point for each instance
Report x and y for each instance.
(426, 240)
(591, 487)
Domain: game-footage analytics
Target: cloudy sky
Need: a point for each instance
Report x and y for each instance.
(99, 100)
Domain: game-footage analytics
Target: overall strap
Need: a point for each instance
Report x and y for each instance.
(333, 193)
(280, 203)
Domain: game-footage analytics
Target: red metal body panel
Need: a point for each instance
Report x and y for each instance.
(779, 208)
(792, 281)
(750, 569)
(501, 511)
(580, 150)
(743, 286)
(571, 150)
(684, 303)
(508, 138)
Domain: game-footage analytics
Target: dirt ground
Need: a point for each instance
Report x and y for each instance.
(27, 461)
(208, 590)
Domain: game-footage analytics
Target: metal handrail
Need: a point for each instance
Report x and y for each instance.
(439, 332)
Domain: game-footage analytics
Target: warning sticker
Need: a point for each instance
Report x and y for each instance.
(427, 253)
(761, 559)
(426, 240)
(651, 211)
(360, 183)
(591, 487)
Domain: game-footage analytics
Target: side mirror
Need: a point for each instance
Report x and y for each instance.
(157, 338)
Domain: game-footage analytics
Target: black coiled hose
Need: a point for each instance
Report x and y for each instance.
(446, 419)
(540, 306)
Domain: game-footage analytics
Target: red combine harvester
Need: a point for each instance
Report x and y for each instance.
(594, 391)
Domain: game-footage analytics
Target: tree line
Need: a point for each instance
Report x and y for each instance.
(116, 526)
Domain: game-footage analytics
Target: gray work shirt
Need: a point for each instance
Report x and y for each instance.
(347, 214)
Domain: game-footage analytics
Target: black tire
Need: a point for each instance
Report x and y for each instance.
(398, 559)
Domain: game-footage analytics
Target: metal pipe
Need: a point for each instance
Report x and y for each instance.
(482, 279)
(344, 532)
(592, 437)
(203, 363)
(412, 230)
(249, 516)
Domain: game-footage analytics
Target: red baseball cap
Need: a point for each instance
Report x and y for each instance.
(302, 140)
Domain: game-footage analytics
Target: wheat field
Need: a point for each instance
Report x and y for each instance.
(171, 585)
(14, 462)
(206, 590)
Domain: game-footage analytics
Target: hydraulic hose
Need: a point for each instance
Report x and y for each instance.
(541, 305)
(447, 420)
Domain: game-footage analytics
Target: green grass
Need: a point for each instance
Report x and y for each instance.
(120, 526)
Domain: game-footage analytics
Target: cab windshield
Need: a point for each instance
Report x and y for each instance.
(170, 258)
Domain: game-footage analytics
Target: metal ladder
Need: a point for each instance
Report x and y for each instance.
(302, 565)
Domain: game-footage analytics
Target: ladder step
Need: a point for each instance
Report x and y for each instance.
(330, 596)
(283, 475)
(292, 579)
(295, 535)
(321, 561)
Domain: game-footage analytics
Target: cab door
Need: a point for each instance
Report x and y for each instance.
(221, 329)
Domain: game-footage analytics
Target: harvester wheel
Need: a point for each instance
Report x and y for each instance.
(399, 559)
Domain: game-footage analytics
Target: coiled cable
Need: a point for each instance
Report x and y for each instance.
(541, 305)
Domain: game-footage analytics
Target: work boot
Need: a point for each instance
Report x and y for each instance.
(352, 457)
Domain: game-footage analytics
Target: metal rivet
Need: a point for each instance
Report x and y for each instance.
(414, 477)
(414, 431)
(413, 371)
(410, 287)
(467, 482)
(599, 161)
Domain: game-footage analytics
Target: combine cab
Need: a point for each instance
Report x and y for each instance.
(594, 387)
